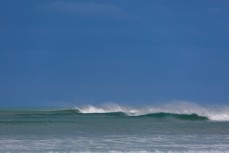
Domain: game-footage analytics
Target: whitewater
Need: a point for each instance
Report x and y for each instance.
(179, 127)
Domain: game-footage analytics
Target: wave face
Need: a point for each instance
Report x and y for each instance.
(191, 117)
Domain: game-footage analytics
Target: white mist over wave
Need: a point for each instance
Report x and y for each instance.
(216, 114)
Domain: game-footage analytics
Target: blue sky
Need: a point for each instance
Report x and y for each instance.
(132, 52)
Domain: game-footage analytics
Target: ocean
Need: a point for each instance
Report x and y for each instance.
(174, 128)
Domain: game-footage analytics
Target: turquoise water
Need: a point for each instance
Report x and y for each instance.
(92, 129)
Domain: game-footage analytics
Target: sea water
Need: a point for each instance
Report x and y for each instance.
(115, 129)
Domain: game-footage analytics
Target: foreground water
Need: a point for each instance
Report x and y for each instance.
(113, 130)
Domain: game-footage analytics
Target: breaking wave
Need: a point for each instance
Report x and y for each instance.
(178, 110)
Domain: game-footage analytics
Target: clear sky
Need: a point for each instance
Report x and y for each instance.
(133, 52)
